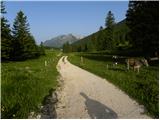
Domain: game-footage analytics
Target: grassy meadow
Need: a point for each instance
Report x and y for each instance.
(24, 84)
(143, 86)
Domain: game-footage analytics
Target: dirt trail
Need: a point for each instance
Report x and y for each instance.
(85, 95)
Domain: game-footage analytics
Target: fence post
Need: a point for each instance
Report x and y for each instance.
(107, 66)
(45, 63)
(82, 60)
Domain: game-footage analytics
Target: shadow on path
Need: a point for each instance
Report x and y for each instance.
(97, 110)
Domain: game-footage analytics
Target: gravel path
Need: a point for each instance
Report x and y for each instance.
(85, 95)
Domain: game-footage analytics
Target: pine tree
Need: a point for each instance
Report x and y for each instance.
(100, 28)
(143, 21)
(23, 42)
(110, 22)
(66, 47)
(3, 10)
(6, 38)
(79, 48)
(85, 48)
(42, 50)
(30, 47)
(100, 41)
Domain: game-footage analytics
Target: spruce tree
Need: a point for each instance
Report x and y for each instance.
(100, 41)
(143, 21)
(23, 42)
(109, 23)
(110, 20)
(30, 48)
(100, 28)
(6, 38)
(42, 50)
(66, 47)
(85, 48)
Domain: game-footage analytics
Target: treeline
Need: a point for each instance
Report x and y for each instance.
(113, 36)
(18, 43)
(139, 32)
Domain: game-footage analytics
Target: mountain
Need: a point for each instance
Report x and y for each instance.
(79, 36)
(61, 39)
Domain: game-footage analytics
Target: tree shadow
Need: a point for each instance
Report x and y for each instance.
(97, 110)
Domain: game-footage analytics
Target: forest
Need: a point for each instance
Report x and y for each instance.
(18, 43)
(137, 34)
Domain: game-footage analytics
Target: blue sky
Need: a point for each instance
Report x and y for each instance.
(49, 19)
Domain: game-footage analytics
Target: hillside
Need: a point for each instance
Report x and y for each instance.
(60, 40)
(120, 36)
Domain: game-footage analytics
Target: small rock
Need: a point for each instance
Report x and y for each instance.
(2, 109)
(31, 115)
(107, 110)
(142, 110)
(54, 97)
(41, 107)
(38, 116)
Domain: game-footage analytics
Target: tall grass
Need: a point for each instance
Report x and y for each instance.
(24, 84)
(143, 86)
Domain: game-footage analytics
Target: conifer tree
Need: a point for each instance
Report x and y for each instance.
(143, 21)
(110, 22)
(85, 48)
(6, 38)
(100, 28)
(100, 41)
(66, 47)
(42, 50)
(23, 42)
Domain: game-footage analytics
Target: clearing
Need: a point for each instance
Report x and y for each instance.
(85, 95)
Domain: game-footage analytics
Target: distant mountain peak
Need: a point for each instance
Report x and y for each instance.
(78, 36)
(59, 40)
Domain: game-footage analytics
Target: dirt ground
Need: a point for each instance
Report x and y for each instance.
(85, 95)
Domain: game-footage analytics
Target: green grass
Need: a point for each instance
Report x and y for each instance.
(143, 86)
(25, 84)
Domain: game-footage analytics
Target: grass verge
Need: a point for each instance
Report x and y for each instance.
(25, 84)
(143, 86)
